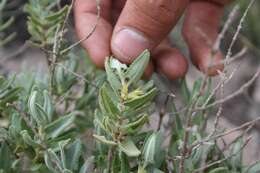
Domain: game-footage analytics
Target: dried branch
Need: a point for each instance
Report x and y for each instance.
(88, 35)
(222, 160)
(236, 93)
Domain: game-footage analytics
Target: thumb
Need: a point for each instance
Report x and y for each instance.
(143, 24)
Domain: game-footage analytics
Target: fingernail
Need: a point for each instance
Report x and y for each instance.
(128, 43)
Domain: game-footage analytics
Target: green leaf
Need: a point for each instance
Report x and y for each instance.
(254, 169)
(236, 160)
(52, 161)
(56, 16)
(157, 171)
(106, 102)
(185, 91)
(3, 134)
(141, 169)
(40, 119)
(59, 126)
(129, 148)
(140, 101)
(6, 24)
(62, 145)
(104, 140)
(220, 170)
(28, 140)
(5, 159)
(137, 124)
(2, 4)
(151, 148)
(112, 78)
(87, 166)
(47, 105)
(125, 167)
(73, 154)
(137, 68)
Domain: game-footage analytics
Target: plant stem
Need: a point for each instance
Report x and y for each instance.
(110, 158)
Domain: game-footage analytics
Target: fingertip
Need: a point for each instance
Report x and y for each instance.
(143, 24)
(200, 32)
(208, 62)
(171, 63)
(128, 43)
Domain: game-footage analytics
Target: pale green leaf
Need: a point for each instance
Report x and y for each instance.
(137, 68)
(59, 126)
(129, 148)
(104, 140)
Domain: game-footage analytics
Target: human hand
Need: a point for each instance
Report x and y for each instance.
(127, 27)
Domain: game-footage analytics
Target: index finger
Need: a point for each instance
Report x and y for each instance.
(98, 44)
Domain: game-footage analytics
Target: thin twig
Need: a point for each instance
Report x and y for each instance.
(239, 27)
(80, 77)
(88, 35)
(237, 56)
(226, 133)
(227, 24)
(222, 160)
(236, 93)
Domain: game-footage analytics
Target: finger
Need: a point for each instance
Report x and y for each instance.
(117, 8)
(98, 44)
(143, 24)
(169, 61)
(200, 31)
(149, 70)
(222, 2)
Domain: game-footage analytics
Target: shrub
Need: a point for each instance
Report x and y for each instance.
(64, 122)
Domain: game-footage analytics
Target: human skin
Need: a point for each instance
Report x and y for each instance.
(127, 27)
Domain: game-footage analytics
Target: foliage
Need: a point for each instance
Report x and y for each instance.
(64, 122)
(4, 25)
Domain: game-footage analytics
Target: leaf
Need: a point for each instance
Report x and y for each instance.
(87, 166)
(117, 65)
(62, 145)
(28, 139)
(56, 16)
(6, 24)
(220, 170)
(5, 159)
(59, 126)
(129, 148)
(47, 105)
(125, 167)
(141, 169)
(185, 91)
(140, 101)
(106, 103)
(196, 89)
(34, 110)
(254, 169)
(104, 140)
(152, 148)
(3, 134)
(112, 77)
(137, 68)
(133, 126)
(157, 171)
(52, 161)
(236, 160)
(73, 154)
